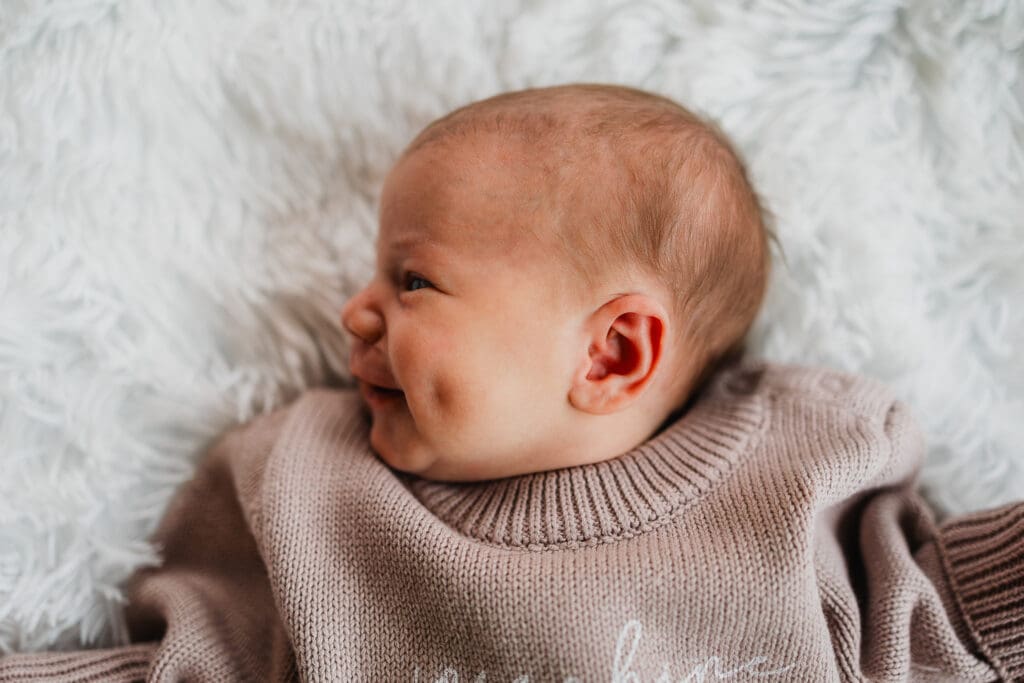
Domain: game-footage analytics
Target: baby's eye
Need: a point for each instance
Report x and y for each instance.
(413, 282)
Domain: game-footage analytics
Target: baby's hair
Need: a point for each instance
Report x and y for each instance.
(680, 205)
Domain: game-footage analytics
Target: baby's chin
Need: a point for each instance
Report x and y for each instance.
(461, 472)
(421, 461)
(433, 468)
(406, 461)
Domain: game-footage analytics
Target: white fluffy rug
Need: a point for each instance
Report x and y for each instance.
(187, 197)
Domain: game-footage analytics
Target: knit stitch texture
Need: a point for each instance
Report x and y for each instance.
(772, 530)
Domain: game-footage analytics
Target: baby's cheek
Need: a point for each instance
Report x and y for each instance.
(464, 401)
(436, 401)
(445, 398)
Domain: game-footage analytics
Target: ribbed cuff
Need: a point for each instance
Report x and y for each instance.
(984, 555)
(111, 665)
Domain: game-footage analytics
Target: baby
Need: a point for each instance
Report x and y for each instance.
(566, 473)
(558, 270)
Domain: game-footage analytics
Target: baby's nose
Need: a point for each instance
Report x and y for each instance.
(359, 318)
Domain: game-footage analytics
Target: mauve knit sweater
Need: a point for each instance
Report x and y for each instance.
(770, 531)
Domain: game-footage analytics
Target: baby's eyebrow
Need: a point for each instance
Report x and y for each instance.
(394, 252)
(411, 241)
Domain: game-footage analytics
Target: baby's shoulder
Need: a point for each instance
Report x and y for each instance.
(792, 384)
(836, 425)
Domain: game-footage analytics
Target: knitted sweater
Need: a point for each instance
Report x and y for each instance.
(771, 530)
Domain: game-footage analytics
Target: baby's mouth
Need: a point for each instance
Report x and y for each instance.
(376, 395)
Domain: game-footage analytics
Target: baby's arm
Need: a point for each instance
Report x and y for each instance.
(940, 602)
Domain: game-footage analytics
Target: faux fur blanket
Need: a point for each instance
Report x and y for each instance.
(187, 197)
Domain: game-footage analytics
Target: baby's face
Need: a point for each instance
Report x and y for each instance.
(465, 321)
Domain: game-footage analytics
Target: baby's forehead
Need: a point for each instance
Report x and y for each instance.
(482, 183)
(429, 206)
(477, 170)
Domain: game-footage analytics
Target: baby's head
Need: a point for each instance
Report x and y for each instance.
(558, 271)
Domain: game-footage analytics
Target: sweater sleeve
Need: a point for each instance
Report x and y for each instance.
(908, 599)
(983, 558)
(207, 612)
(982, 568)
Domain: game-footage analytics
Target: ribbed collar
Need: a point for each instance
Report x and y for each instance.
(627, 495)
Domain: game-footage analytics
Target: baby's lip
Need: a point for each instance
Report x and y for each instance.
(374, 380)
(382, 389)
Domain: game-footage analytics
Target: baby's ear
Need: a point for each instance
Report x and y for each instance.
(625, 346)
